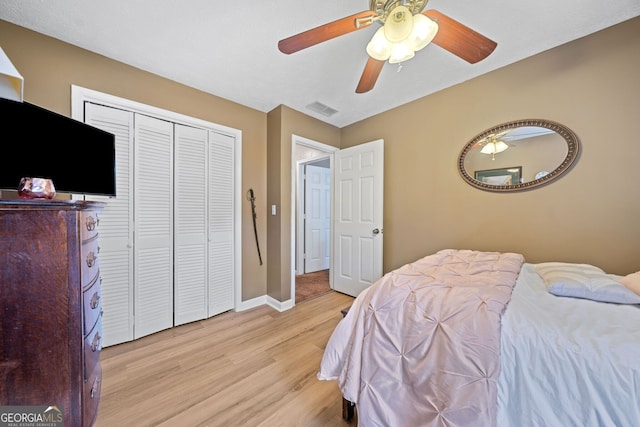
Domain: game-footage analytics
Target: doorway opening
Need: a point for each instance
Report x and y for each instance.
(311, 285)
(312, 204)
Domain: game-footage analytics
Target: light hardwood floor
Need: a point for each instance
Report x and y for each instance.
(252, 368)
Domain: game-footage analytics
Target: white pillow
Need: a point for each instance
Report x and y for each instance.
(584, 281)
(631, 281)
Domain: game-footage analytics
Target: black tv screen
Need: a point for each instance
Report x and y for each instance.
(39, 143)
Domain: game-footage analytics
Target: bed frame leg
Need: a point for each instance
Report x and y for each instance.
(347, 409)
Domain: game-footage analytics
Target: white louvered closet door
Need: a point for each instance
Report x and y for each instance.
(116, 229)
(153, 218)
(221, 222)
(190, 224)
(168, 238)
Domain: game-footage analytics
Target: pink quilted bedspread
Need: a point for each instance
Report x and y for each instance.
(421, 347)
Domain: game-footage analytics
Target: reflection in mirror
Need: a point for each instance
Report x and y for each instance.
(518, 155)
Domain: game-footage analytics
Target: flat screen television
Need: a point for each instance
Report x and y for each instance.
(38, 143)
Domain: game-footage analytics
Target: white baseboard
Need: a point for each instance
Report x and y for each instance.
(266, 300)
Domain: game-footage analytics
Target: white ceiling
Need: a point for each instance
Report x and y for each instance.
(230, 49)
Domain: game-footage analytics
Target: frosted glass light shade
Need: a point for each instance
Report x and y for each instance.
(424, 30)
(401, 52)
(379, 48)
(401, 36)
(494, 147)
(398, 25)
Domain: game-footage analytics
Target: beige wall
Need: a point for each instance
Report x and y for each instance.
(283, 123)
(590, 215)
(50, 67)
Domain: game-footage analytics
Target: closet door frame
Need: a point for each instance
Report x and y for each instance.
(80, 95)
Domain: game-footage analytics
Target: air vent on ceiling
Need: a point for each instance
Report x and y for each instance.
(319, 107)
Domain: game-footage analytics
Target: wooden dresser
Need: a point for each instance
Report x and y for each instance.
(50, 308)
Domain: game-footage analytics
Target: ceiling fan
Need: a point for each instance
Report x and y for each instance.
(405, 30)
(494, 143)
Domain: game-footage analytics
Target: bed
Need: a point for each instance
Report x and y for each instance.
(472, 338)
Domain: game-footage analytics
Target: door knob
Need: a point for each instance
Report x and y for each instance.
(376, 231)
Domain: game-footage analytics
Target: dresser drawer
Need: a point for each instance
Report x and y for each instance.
(91, 305)
(91, 395)
(89, 260)
(92, 348)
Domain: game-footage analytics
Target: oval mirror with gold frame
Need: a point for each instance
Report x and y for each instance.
(518, 155)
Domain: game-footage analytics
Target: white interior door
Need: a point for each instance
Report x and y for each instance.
(116, 227)
(317, 218)
(222, 250)
(358, 238)
(190, 226)
(153, 219)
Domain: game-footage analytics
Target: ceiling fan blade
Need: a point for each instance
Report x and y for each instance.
(459, 39)
(326, 32)
(369, 75)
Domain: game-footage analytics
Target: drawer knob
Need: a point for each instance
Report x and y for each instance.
(90, 223)
(95, 300)
(95, 388)
(91, 259)
(95, 345)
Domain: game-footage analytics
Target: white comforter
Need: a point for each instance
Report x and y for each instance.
(567, 362)
(563, 362)
(421, 346)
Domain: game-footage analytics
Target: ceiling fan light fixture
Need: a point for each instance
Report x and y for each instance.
(424, 30)
(399, 24)
(379, 47)
(494, 147)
